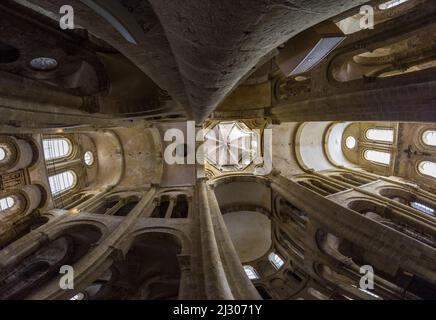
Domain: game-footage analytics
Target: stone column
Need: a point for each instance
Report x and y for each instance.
(242, 287)
(216, 283)
(170, 208)
(223, 270)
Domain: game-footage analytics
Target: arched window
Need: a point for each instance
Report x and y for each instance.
(275, 260)
(6, 203)
(378, 157)
(384, 135)
(2, 154)
(428, 168)
(391, 4)
(251, 273)
(423, 208)
(56, 148)
(429, 138)
(62, 182)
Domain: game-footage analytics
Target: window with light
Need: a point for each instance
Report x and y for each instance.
(79, 296)
(88, 158)
(2, 154)
(383, 135)
(6, 203)
(62, 182)
(378, 157)
(423, 208)
(275, 260)
(231, 146)
(428, 168)
(350, 142)
(391, 4)
(251, 273)
(429, 138)
(57, 148)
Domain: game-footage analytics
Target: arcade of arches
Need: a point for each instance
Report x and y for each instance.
(340, 165)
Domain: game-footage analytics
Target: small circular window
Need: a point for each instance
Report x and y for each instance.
(44, 64)
(2, 154)
(350, 142)
(88, 157)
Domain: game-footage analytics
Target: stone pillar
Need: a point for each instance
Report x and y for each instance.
(116, 207)
(170, 208)
(216, 284)
(226, 261)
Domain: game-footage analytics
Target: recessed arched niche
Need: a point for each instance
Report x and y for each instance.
(390, 217)
(320, 186)
(161, 207)
(126, 208)
(249, 193)
(172, 205)
(181, 208)
(352, 178)
(288, 213)
(150, 271)
(42, 265)
(421, 203)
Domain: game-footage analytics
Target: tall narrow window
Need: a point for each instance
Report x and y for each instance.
(423, 208)
(429, 138)
(275, 260)
(57, 148)
(391, 4)
(378, 157)
(428, 168)
(384, 135)
(6, 203)
(62, 182)
(251, 273)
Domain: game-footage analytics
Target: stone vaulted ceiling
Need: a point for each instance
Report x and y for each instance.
(198, 51)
